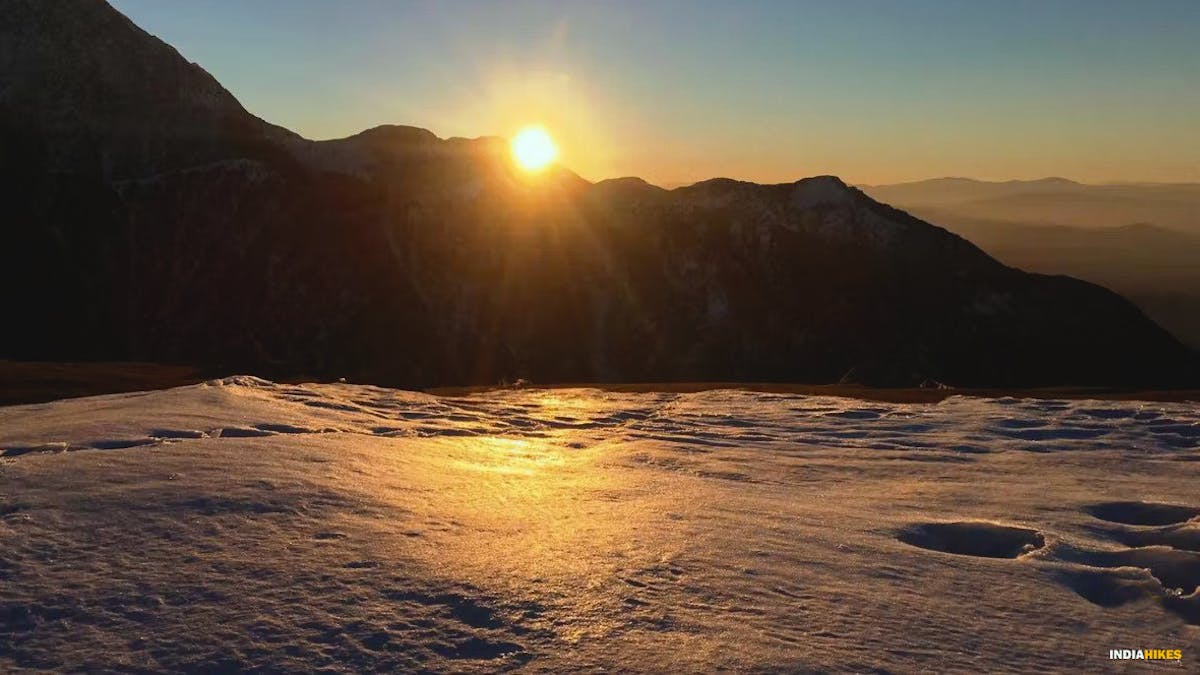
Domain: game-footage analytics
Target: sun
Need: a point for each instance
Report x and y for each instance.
(533, 149)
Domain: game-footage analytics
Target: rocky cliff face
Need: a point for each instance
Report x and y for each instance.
(103, 96)
(151, 217)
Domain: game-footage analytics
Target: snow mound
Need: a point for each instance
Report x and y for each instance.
(246, 525)
(247, 406)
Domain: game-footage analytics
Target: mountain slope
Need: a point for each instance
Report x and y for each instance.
(156, 219)
(105, 96)
(1112, 235)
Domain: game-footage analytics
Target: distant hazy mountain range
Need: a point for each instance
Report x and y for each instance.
(1142, 240)
(1053, 200)
(150, 217)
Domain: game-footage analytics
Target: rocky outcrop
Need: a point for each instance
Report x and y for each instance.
(151, 217)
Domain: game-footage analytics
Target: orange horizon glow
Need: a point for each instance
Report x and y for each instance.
(766, 92)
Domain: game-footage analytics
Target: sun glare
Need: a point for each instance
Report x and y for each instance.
(533, 149)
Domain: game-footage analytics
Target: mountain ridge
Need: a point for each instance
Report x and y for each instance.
(197, 233)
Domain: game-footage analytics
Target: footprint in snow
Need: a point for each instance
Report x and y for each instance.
(1162, 561)
(974, 538)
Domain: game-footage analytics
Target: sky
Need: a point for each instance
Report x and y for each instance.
(679, 91)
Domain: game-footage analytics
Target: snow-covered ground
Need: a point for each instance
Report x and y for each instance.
(241, 524)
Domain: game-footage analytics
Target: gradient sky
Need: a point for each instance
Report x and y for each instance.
(677, 91)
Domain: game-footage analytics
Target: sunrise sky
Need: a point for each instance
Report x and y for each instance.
(678, 91)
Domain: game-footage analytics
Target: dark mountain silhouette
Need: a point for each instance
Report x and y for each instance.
(100, 95)
(1142, 240)
(1155, 267)
(151, 217)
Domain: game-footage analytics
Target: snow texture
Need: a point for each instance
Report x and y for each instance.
(242, 524)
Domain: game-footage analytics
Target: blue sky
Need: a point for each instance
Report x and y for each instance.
(677, 91)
